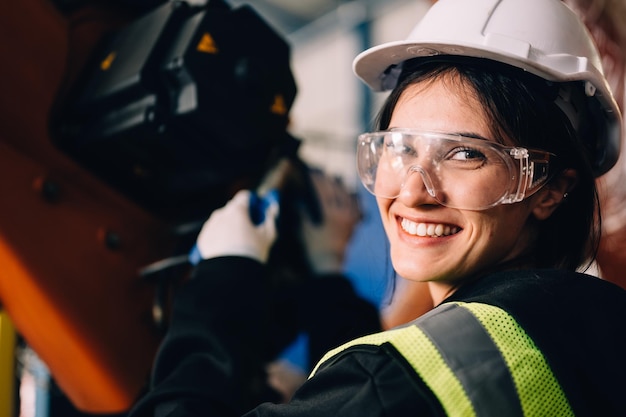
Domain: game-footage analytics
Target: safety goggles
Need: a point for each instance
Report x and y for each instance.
(457, 171)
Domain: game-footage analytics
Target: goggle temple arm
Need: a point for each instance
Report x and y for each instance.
(533, 172)
(521, 155)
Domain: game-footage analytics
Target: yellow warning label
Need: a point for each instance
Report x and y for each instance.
(108, 61)
(278, 106)
(207, 44)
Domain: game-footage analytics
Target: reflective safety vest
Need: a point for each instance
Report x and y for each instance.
(477, 360)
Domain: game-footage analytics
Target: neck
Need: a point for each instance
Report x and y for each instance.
(440, 291)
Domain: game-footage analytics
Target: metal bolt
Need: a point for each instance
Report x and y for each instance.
(110, 239)
(49, 190)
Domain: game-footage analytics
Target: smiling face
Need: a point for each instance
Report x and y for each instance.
(430, 242)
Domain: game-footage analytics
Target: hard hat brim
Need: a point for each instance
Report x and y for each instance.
(371, 65)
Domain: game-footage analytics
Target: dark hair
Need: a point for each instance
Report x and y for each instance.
(522, 107)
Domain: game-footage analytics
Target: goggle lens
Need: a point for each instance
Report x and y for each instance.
(459, 172)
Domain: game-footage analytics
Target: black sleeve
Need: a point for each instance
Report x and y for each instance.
(332, 313)
(324, 307)
(211, 340)
(214, 344)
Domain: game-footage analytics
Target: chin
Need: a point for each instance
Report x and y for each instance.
(411, 269)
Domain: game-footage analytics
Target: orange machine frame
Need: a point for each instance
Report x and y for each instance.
(70, 247)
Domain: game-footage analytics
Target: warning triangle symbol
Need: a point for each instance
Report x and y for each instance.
(207, 44)
(278, 106)
(108, 61)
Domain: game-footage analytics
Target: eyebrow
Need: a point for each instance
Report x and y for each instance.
(467, 134)
(471, 135)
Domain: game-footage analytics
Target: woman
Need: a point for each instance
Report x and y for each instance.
(483, 167)
(604, 20)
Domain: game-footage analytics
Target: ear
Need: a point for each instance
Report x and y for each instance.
(552, 195)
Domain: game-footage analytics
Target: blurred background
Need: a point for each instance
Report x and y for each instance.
(332, 106)
(77, 329)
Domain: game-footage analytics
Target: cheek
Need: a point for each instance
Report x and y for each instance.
(383, 209)
(507, 231)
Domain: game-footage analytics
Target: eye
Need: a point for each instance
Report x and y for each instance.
(399, 149)
(466, 158)
(466, 154)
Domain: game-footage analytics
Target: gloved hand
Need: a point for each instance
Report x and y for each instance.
(245, 226)
(326, 243)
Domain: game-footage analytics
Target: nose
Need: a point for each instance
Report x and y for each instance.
(417, 188)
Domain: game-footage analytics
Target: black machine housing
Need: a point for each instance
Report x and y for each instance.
(180, 103)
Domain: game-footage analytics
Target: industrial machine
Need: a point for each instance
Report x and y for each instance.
(124, 123)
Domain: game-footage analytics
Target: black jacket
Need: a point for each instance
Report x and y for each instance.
(577, 321)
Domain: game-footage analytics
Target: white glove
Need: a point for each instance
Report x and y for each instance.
(230, 230)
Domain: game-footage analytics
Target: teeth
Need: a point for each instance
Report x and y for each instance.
(427, 229)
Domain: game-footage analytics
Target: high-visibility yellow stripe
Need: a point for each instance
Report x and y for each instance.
(523, 359)
(538, 390)
(7, 365)
(425, 359)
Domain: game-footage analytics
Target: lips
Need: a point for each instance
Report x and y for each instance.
(428, 229)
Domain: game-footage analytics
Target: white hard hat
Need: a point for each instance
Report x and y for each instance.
(543, 37)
